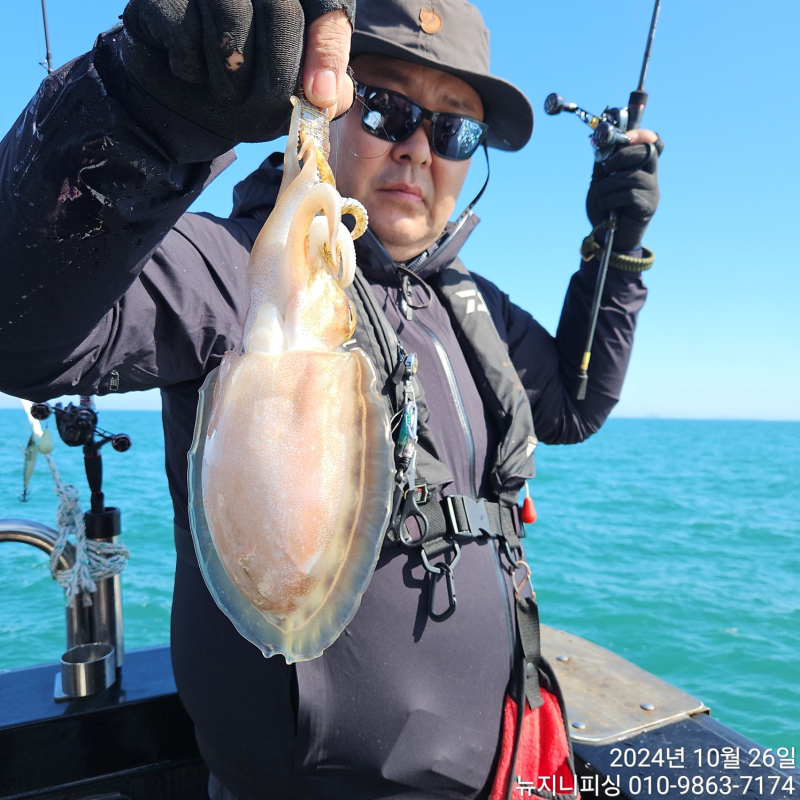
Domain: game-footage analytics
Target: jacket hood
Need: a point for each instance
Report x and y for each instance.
(255, 196)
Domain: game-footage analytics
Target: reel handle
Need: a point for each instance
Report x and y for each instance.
(555, 104)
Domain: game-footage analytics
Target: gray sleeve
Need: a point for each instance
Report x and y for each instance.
(173, 324)
(548, 366)
(100, 274)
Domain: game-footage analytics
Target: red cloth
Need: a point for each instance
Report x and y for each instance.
(543, 750)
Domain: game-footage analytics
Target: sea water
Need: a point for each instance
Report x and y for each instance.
(674, 543)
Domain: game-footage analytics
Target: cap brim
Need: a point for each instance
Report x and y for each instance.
(507, 111)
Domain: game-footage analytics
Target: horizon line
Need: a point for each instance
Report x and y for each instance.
(653, 417)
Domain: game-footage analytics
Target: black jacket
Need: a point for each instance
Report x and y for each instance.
(138, 294)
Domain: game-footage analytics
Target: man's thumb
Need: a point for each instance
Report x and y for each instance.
(327, 52)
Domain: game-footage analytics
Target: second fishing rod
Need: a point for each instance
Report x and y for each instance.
(609, 133)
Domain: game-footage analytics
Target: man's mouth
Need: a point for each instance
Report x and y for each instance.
(404, 192)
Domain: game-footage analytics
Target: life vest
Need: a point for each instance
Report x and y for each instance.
(536, 752)
(489, 363)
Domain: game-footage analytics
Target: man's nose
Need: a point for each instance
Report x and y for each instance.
(416, 149)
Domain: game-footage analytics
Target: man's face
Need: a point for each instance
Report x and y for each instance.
(409, 191)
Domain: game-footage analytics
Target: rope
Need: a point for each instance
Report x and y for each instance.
(94, 561)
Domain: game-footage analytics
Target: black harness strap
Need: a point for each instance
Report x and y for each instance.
(460, 517)
(495, 377)
(443, 524)
(530, 638)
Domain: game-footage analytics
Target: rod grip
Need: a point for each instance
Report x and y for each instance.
(94, 470)
(636, 106)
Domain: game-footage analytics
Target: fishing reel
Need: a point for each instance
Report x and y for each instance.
(77, 426)
(608, 130)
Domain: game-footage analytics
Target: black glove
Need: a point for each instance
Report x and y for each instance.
(627, 183)
(228, 66)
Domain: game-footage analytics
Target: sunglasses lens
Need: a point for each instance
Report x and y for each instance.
(392, 117)
(389, 116)
(456, 137)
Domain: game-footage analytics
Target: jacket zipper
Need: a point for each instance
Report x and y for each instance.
(459, 402)
(462, 416)
(464, 420)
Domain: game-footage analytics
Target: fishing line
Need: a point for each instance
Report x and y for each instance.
(358, 155)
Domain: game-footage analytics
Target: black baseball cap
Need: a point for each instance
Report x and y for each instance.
(449, 35)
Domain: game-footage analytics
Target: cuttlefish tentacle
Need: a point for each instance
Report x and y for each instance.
(351, 206)
(265, 272)
(291, 468)
(318, 313)
(324, 170)
(347, 258)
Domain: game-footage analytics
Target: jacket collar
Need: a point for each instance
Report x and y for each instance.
(377, 264)
(254, 197)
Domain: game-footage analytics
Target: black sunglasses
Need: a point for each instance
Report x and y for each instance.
(393, 117)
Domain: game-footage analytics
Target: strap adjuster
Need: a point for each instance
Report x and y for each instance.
(468, 518)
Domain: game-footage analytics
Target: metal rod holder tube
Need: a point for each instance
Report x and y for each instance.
(106, 612)
(106, 608)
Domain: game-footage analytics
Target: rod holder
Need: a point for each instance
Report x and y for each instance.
(25, 531)
(106, 608)
(86, 670)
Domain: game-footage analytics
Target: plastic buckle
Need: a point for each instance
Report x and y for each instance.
(477, 518)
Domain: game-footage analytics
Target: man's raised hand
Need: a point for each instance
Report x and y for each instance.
(230, 66)
(627, 183)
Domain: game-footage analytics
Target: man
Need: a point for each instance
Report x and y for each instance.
(96, 177)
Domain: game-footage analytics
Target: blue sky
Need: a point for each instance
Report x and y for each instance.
(718, 336)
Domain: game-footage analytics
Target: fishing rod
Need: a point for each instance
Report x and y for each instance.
(609, 131)
(48, 59)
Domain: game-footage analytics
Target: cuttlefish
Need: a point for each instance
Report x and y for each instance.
(291, 468)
